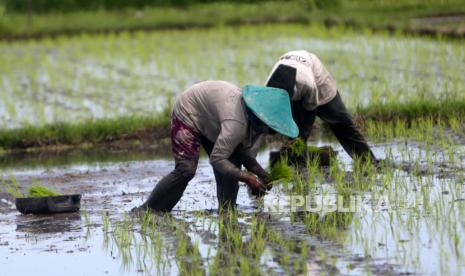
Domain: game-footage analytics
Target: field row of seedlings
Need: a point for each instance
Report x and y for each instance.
(221, 243)
(406, 215)
(403, 216)
(94, 76)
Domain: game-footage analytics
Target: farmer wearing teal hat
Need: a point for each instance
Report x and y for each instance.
(226, 121)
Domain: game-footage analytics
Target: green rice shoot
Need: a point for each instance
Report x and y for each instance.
(12, 186)
(298, 147)
(280, 172)
(41, 191)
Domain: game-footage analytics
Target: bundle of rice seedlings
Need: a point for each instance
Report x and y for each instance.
(281, 171)
(41, 191)
(298, 147)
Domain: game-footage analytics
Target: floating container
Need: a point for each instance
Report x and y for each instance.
(49, 204)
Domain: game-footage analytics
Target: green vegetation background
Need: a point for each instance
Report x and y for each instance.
(44, 6)
(64, 16)
(67, 16)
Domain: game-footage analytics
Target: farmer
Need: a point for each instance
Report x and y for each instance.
(313, 92)
(225, 121)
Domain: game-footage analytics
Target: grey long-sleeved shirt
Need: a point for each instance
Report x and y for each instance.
(314, 85)
(216, 110)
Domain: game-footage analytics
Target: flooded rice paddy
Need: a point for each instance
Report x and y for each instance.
(406, 217)
(418, 227)
(95, 76)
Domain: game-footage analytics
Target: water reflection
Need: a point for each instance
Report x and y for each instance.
(49, 224)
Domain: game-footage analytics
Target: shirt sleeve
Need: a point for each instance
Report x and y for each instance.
(246, 155)
(232, 133)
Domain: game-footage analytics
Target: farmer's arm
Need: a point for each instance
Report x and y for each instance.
(231, 135)
(249, 161)
(308, 113)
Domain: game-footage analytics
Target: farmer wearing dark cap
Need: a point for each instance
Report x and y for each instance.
(313, 92)
(225, 120)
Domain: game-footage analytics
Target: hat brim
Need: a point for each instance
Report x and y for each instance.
(272, 106)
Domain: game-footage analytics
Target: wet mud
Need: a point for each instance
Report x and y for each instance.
(84, 244)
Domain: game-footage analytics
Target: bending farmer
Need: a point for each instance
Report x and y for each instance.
(226, 122)
(313, 92)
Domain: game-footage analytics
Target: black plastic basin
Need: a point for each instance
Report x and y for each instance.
(49, 204)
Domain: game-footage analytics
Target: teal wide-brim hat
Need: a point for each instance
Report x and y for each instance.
(272, 106)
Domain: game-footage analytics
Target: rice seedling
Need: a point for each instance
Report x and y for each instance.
(281, 171)
(12, 186)
(41, 191)
(105, 223)
(298, 147)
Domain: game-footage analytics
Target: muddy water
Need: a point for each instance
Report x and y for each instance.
(75, 244)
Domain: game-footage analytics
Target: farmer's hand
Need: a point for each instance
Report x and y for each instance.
(252, 181)
(297, 143)
(262, 175)
(288, 144)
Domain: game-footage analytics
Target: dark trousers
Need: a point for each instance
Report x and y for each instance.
(171, 187)
(335, 114)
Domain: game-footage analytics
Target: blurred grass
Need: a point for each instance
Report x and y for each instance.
(101, 131)
(437, 110)
(88, 132)
(203, 15)
(364, 13)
